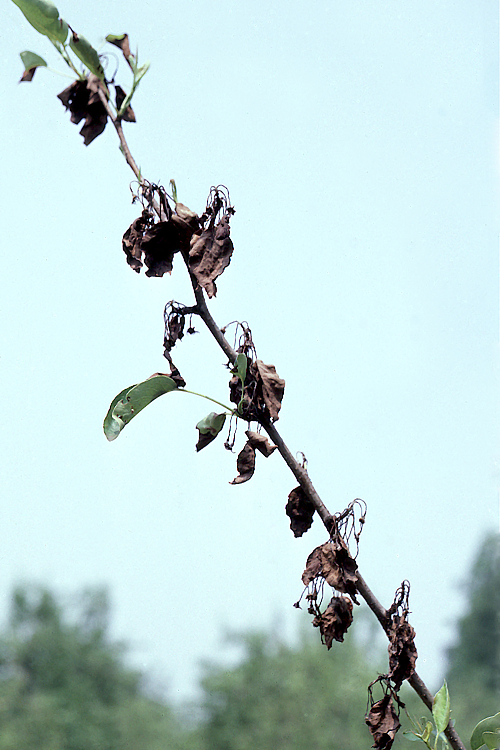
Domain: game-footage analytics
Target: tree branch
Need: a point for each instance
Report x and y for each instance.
(295, 467)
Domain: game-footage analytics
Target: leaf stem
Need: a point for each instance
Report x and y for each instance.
(213, 400)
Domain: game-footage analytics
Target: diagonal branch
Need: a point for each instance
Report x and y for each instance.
(295, 467)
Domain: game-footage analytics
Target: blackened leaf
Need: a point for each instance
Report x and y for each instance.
(31, 62)
(383, 723)
(44, 17)
(335, 620)
(130, 402)
(132, 241)
(245, 463)
(121, 41)
(273, 388)
(176, 376)
(76, 98)
(120, 96)
(209, 427)
(210, 254)
(159, 245)
(96, 118)
(87, 54)
(174, 330)
(260, 443)
(83, 101)
(402, 650)
(187, 223)
(300, 511)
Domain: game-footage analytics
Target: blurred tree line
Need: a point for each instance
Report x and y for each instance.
(65, 686)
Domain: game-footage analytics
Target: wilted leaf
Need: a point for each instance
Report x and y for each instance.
(260, 443)
(133, 400)
(332, 562)
(273, 388)
(44, 17)
(174, 330)
(487, 729)
(402, 650)
(209, 427)
(120, 96)
(300, 511)
(187, 223)
(210, 254)
(120, 41)
(156, 242)
(245, 463)
(87, 54)
(383, 723)
(334, 622)
(31, 62)
(83, 101)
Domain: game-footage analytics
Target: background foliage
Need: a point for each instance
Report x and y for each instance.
(64, 685)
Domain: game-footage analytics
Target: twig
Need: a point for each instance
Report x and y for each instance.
(296, 468)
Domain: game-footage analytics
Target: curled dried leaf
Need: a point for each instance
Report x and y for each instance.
(83, 101)
(334, 622)
(121, 41)
(260, 443)
(263, 392)
(245, 463)
(120, 96)
(273, 388)
(402, 650)
(152, 244)
(300, 511)
(174, 330)
(383, 723)
(210, 253)
(333, 562)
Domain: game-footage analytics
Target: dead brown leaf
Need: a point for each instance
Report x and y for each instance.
(273, 388)
(83, 101)
(245, 463)
(260, 443)
(123, 44)
(333, 562)
(210, 254)
(402, 650)
(334, 622)
(120, 96)
(383, 723)
(151, 244)
(300, 511)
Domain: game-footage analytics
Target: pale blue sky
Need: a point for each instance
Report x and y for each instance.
(359, 144)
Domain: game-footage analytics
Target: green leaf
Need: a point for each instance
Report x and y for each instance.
(441, 708)
(427, 731)
(212, 423)
(241, 367)
(44, 17)
(87, 54)
(112, 425)
(492, 740)
(132, 400)
(32, 60)
(488, 726)
(141, 72)
(411, 736)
